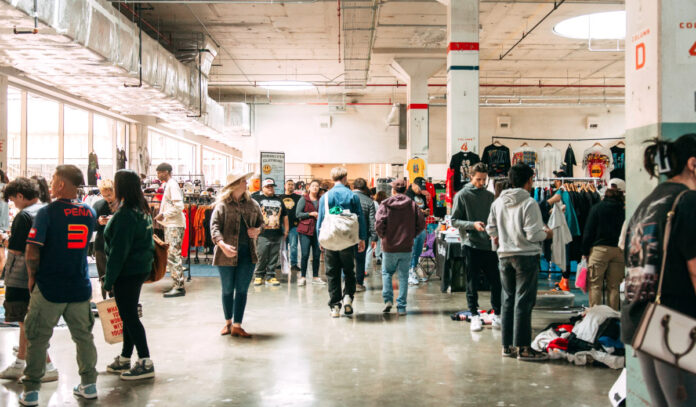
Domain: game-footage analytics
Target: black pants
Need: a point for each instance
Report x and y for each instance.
(127, 294)
(360, 263)
(307, 243)
(486, 262)
(337, 262)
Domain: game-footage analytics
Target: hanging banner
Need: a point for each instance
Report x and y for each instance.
(273, 166)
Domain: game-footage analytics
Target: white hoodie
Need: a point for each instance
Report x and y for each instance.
(515, 219)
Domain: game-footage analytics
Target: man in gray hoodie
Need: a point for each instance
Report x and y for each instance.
(472, 205)
(516, 227)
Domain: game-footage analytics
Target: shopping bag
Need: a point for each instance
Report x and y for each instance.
(284, 262)
(111, 321)
(581, 278)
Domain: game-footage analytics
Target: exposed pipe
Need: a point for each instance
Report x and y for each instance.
(140, 55)
(524, 35)
(483, 85)
(133, 12)
(36, 23)
(339, 31)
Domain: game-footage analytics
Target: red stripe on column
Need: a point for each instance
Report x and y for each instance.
(418, 106)
(463, 46)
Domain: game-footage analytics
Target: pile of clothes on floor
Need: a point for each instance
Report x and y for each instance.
(589, 338)
(486, 316)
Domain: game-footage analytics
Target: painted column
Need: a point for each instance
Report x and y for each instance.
(3, 123)
(416, 72)
(660, 102)
(463, 76)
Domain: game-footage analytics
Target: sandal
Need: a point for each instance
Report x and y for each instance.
(237, 331)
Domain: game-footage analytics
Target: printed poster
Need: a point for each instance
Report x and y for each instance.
(273, 166)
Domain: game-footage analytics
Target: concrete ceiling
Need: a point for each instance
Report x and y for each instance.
(285, 41)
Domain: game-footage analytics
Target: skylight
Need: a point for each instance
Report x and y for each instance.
(599, 26)
(291, 86)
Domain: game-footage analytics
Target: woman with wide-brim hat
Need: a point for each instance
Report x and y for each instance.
(234, 226)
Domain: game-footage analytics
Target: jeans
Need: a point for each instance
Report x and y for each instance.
(486, 262)
(42, 317)
(519, 276)
(663, 380)
(360, 263)
(291, 241)
(127, 295)
(268, 252)
(235, 282)
(377, 251)
(336, 262)
(175, 266)
(417, 249)
(307, 243)
(605, 263)
(391, 263)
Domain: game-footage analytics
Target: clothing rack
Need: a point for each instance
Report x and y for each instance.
(555, 139)
(195, 199)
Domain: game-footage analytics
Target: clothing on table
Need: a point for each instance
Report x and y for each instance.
(597, 162)
(460, 164)
(549, 162)
(497, 158)
(526, 155)
(92, 168)
(273, 211)
(415, 168)
(569, 161)
(619, 156)
(561, 236)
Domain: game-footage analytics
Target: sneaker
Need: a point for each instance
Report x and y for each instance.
(175, 292)
(495, 322)
(318, 281)
(509, 352)
(527, 354)
(301, 282)
(87, 391)
(273, 282)
(347, 305)
(119, 365)
(51, 374)
(336, 311)
(360, 288)
(476, 324)
(387, 307)
(402, 311)
(258, 281)
(14, 371)
(412, 277)
(15, 350)
(143, 369)
(295, 268)
(29, 398)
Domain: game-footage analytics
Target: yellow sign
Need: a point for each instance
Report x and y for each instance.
(266, 169)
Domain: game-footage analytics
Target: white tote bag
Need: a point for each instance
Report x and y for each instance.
(110, 321)
(338, 232)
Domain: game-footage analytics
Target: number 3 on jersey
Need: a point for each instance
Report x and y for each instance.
(77, 236)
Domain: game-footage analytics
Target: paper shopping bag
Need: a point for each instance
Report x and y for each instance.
(111, 321)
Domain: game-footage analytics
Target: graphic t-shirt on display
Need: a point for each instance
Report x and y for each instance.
(497, 158)
(63, 229)
(273, 211)
(526, 155)
(597, 162)
(290, 202)
(619, 156)
(440, 200)
(416, 168)
(460, 164)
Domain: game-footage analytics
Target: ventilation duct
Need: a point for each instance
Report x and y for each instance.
(359, 19)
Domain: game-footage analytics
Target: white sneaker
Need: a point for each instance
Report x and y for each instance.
(335, 311)
(301, 282)
(51, 374)
(476, 325)
(495, 322)
(14, 371)
(348, 305)
(318, 281)
(15, 350)
(412, 277)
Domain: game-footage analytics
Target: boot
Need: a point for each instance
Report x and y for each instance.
(175, 292)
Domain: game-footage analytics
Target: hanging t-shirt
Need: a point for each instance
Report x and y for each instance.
(497, 158)
(460, 164)
(526, 155)
(619, 156)
(549, 162)
(273, 211)
(416, 168)
(290, 202)
(569, 161)
(597, 162)
(62, 230)
(440, 200)
(92, 168)
(121, 159)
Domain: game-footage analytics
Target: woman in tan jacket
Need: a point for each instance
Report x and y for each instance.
(234, 226)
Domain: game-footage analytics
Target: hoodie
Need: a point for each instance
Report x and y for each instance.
(515, 219)
(398, 222)
(472, 205)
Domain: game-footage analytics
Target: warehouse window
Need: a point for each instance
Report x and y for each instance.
(14, 132)
(42, 136)
(214, 167)
(76, 127)
(104, 145)
(180, 154)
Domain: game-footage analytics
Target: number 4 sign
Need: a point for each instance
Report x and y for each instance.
(692, 51)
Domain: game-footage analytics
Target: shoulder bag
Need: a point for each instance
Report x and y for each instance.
(338, 232)
(664, 333)
(159, 265)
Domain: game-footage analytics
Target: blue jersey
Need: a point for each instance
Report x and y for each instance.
(63, 230)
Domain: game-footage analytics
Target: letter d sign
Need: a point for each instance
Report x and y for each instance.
(640, 55)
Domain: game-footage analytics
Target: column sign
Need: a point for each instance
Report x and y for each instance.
(686, 41)
(273, 166)
(637, 39)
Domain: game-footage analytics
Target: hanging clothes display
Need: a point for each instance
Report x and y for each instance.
(121, 159)
(92, 169)
(561, 236)
(550, 161)
(619, 156)
(597, 162)
(497, 157)
(569, 162)
(439, 200)
(415, 168)
(449, 185)
(526, 155)
(460, 164)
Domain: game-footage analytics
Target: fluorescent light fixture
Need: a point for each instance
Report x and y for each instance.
(291, 86)
(599, 26)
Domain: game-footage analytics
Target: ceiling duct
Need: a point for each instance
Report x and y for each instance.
(358, 24)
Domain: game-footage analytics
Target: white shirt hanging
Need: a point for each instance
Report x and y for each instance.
(550, 161)
(561, 236)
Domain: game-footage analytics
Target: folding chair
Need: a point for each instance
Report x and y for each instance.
(428, 261)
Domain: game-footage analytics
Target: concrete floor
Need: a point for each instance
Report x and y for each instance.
(301, 356)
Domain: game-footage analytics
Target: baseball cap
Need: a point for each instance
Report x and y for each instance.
(618, 183)
(268, 182)
(398, 184)
(420, 181)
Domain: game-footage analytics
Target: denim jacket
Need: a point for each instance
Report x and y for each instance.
(343, 197)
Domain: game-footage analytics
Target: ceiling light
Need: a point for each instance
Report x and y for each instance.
(292, 86)
(599, 26)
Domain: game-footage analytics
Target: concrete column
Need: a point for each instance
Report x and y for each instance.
(660, 102)
(3, 123)
(416, 72)
(463, 76)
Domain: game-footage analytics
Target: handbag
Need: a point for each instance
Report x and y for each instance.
(159, 264)
(110, 321)
(664, 333)
(338, 231)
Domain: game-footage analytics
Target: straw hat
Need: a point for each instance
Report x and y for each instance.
(237, 175)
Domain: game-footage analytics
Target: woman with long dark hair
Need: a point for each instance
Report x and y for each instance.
(44, 191)
(130, 249)
(667, 384)
(307, 212)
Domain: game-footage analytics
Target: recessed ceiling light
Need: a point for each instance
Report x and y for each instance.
(292, 86)
(599, 26)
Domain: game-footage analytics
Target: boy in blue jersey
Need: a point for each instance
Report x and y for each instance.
(56, 258)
